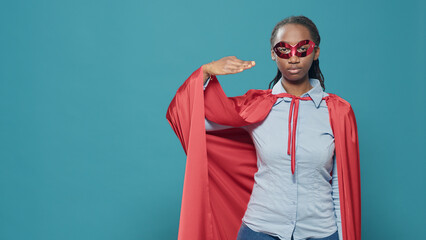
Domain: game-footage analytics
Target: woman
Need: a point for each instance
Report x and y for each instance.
(289, 199)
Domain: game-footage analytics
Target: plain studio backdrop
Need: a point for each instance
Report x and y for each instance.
(87, 153)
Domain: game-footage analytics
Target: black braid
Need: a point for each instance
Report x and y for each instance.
(314, 71)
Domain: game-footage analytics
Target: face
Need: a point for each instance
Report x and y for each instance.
(296, 55)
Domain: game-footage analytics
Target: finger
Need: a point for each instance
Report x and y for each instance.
(250, 63)
(239, 67)
(247, 64)
(234, 65)
(243, 63)
(236, 69)
(239, 61)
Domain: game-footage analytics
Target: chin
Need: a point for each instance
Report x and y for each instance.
(294, 77)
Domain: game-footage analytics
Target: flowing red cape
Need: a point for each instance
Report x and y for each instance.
(220, 165)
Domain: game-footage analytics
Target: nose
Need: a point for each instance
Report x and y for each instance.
(294, 59)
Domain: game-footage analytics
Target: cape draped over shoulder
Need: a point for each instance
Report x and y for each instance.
(220, 165)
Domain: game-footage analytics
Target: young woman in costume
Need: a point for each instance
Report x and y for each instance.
(290, 202)
(281, 163)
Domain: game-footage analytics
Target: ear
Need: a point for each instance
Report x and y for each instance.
(317, 52)
(273, 55)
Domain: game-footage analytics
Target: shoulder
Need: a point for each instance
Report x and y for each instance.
(258, 92)
(337, 98)
(252, 94)
(333, 100)
(254, 101)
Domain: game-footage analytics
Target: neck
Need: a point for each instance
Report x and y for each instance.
(296, 88)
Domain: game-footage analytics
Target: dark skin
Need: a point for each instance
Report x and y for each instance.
(294, 83)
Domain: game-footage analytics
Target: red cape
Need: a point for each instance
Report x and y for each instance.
(220, 165)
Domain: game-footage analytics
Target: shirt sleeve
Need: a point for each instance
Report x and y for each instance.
(336, 200)
(212, 126)
(207, 82)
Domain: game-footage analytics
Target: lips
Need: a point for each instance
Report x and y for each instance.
(294, 70)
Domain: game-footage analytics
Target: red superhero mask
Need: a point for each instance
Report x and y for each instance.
(286, 51)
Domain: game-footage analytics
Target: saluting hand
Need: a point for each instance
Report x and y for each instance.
(226, 65)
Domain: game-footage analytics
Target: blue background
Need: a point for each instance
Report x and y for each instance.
(87, 153)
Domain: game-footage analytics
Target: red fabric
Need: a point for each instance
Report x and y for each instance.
(291, 148)
(220, 165)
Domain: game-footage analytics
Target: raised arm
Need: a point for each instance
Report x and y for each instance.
(226, 65)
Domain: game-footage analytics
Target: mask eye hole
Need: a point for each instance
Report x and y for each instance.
(303, 49)
(283, 50)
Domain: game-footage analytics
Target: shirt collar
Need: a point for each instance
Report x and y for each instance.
(316, 93)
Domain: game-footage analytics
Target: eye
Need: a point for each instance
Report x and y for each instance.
(302, 49)
(283, 50)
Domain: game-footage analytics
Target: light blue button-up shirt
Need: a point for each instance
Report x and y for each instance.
(305, 204)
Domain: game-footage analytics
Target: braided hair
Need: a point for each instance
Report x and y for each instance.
(314, 71)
